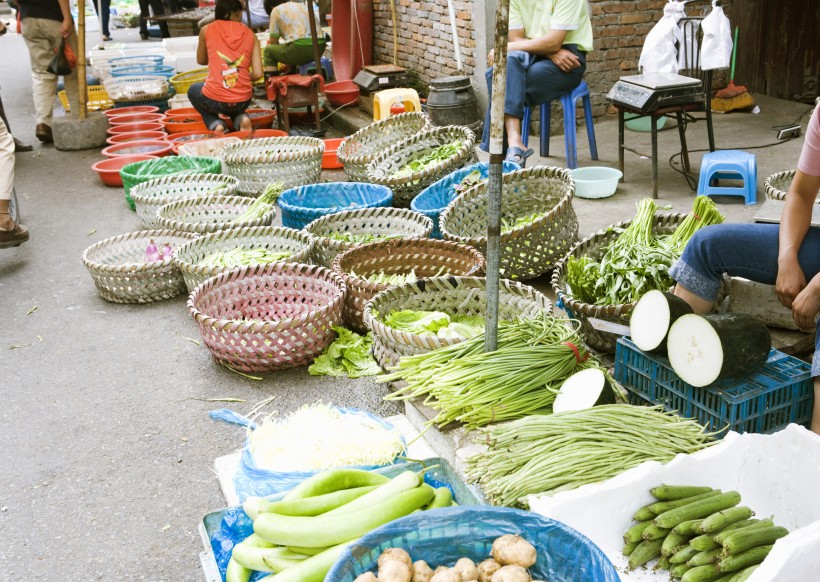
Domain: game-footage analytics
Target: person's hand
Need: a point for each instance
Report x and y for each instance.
(66, 27)
(806, 306)
(790, 282)
(491, 57)
(565, 60)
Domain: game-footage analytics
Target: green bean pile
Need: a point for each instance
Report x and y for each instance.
(548, 454)
(468, 385)
(242, 256)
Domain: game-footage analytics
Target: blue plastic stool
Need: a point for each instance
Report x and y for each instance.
(327, 65)
(568, 101)
(729, 165)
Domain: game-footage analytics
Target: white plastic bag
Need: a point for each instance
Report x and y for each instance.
(716, 48)
(659, 54)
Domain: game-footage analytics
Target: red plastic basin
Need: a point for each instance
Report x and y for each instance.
(109, 169)
(182, 112)
(257, 133)
(150, 147)
(117, 111)
(132, 127)
(342, 93)
(329, 159)
(135, 136)
(186, 136)
(185, 124)
(136, 118)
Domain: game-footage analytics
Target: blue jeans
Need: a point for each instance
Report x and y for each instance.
(210, 110)
(742, 250)
(532, 80)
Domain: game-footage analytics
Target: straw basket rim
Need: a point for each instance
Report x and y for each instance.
(233, 153)
(375, 128)
(123, 269)
(775, 192)
(173, 179)
(208, 199)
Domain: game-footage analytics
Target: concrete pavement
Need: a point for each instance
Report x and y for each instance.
(107, 447)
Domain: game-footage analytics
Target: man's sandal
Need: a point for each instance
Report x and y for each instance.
(13, 237)
(518, 156)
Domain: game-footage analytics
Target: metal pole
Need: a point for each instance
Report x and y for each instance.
(81, 80)
(495, 177)
(317, 55)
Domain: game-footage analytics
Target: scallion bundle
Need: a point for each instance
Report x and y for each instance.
(522, 376)
(548, 454)
(263, 204)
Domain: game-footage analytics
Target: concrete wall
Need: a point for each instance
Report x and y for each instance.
(425, 41)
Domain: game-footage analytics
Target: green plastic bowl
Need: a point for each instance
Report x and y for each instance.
(637, 123)
(595, 181)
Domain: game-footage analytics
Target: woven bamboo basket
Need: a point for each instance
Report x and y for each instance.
(149, 196)
(270, 317)
(777, 185)
(388, 162)
(376, 221)
(359, 149)
(452, 295)
(121, 274)
(424, 257)
(210, 213)
(527, 251)
(594, 247)
(274, 238)
(293, 161)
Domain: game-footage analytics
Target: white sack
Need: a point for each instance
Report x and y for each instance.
(716, 48)
(659, 54)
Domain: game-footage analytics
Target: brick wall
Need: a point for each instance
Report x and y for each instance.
(425, 42)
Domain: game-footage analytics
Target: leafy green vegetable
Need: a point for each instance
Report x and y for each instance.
(507, 226)
(468, 182)
(394, 279)
(360, 238)
(349, 355)
(439, 154)
(436, 323)
(242, 256)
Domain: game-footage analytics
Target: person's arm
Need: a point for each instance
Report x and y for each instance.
(202, 48)
(791, 286)
(257, 72)
(68, 21)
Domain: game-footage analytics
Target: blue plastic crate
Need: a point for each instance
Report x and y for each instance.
(766, 401)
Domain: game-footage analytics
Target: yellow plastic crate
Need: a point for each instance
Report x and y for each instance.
(97, 99)
(182, 81)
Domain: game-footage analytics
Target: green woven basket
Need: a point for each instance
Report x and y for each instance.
(140, 172)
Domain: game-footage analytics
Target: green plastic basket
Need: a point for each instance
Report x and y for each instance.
(140, 172)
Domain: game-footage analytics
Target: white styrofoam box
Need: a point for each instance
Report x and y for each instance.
(180, 44)
(186, 62)
(179, 101)
(776, 475)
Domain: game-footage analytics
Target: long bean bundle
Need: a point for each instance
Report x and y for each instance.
(522, 376)
(548, 454)
(241, 256)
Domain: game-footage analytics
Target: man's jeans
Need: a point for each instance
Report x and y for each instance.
(742, 250)
(211, 109)
(532, 80)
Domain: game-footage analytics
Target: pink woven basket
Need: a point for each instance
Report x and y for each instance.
(268, 317)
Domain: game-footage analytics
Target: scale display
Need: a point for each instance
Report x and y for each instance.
(651, 91)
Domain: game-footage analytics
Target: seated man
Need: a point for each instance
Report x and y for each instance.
(290, 40)
(785, 255)
(548, 42)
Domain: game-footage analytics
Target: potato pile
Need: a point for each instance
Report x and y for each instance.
(511, 556)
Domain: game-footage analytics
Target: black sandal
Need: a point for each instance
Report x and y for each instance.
(518, 156)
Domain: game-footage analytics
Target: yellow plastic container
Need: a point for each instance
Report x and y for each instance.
(384, 99)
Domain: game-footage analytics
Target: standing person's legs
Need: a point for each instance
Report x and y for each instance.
(144, 14)
(159, 9)
(18, 145)
(105, 8)
(11, 234)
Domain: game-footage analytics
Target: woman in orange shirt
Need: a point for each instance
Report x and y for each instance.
(232, 53)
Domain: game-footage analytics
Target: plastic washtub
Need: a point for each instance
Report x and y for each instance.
(330, 161)
(304, 204)
(132, 127)
(641, 123)
(140, 172)
(131, 110)
(595, 181)
(135, 136)
(136, 118)
(153, 147)
(442, 536)
(109, 168)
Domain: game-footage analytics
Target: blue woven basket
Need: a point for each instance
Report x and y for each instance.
(442, 536)
(432, 201)
(304, 204)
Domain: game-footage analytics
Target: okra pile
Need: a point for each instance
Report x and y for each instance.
(700, 534)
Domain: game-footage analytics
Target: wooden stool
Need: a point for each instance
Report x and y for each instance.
(295, 91)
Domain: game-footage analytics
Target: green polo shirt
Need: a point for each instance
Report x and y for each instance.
(538, 17)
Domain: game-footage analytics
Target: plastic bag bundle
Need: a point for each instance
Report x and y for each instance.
(716, 48)
(659, 54)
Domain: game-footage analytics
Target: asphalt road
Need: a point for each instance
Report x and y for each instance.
(107, 448)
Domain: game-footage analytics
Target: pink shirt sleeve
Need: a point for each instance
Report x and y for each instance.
(810, 157)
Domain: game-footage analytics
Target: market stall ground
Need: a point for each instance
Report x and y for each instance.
(106, 467)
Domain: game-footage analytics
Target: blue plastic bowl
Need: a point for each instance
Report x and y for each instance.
(304, 204)
(432, 201)
(442, 536)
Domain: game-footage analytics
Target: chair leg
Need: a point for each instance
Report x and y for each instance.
(654, 122)
(570, 133)
(593, 146)
(546, 113)
(525, 126)
(621, 142)
(684, 152)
